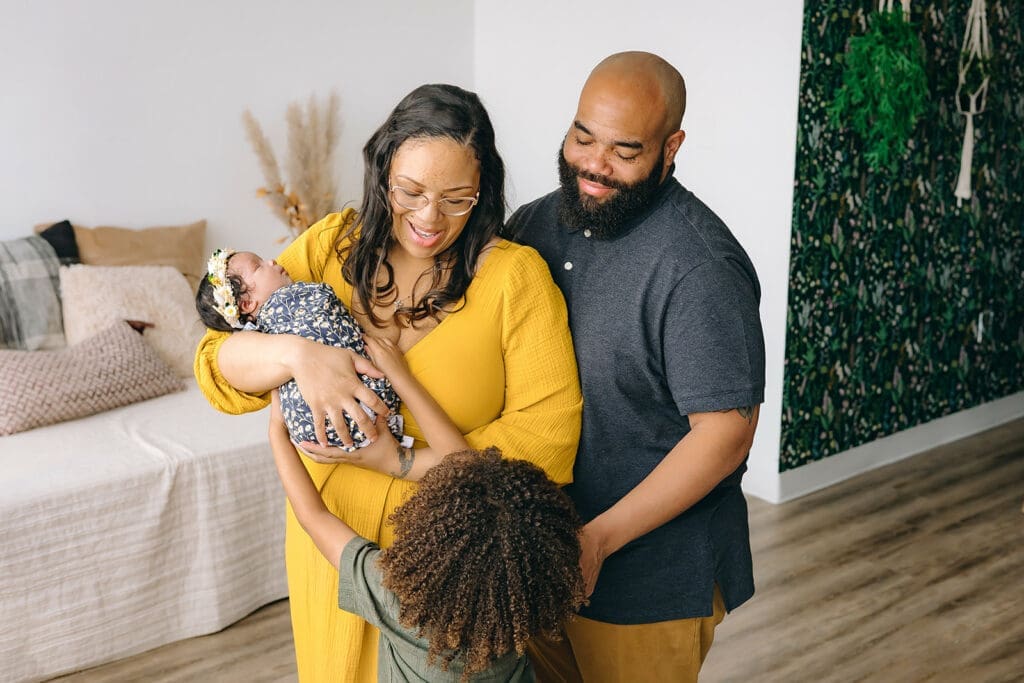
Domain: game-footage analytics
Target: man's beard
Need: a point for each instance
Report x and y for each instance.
(610, 218)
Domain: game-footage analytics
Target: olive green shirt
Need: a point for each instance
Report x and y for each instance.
(401, 653)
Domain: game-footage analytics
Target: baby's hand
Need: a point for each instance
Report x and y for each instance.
(386, 355)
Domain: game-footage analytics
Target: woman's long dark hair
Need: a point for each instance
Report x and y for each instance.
(429, 111)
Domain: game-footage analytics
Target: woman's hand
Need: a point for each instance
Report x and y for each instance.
(328, 379)
(380, 456)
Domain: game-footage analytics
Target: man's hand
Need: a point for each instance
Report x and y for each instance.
(328, 379)
(592, 558)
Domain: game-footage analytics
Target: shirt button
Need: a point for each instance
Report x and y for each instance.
(568, 265)
(587, 233)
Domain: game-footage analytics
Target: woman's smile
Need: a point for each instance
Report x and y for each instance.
(424, 237)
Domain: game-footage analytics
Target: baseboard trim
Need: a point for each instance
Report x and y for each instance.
(835, 468)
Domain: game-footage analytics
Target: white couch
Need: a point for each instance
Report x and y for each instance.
(133, 528)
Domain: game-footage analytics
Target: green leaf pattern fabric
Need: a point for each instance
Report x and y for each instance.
(888, 276)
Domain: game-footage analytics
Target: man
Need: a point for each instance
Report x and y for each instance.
(663, 307)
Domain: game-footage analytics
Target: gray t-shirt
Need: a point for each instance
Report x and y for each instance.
(665, 323)
(401, 654)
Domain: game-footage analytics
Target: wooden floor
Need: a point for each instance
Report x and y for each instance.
(912, 572)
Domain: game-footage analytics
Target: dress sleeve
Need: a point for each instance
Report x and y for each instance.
(543, 404)
(307, 256)
(305, 260)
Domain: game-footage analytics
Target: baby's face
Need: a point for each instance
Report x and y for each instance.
(262, 277)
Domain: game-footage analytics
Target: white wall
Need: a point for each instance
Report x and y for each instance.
(128, 113)
(741, 62)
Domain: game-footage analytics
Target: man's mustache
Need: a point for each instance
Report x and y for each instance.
(594, 177)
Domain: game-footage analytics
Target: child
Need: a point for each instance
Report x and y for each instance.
(242, 291)
(486, 553)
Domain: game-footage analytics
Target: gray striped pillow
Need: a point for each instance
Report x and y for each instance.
(30, 312)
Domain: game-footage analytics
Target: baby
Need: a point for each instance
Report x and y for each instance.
(242, 291)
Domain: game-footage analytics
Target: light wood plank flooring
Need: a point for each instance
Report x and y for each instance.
(912, 572)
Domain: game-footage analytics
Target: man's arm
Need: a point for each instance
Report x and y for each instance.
(715, 446)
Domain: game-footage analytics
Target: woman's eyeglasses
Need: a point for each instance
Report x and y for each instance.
(449, 206)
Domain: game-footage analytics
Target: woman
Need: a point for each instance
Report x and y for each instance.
(482, 326)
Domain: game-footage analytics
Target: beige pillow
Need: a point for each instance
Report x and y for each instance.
(181, 246)
(111, 369)
(94, 297)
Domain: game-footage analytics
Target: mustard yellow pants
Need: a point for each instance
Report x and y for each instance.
(598, 652)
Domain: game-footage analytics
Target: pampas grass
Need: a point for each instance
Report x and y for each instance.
(312, 138)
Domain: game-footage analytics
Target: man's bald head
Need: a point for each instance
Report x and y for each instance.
(648, 77)
(622, 143)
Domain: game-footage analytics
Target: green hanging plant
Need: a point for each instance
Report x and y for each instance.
(884, 89)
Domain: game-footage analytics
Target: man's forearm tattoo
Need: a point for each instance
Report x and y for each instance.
(405, 458)
(746, 412)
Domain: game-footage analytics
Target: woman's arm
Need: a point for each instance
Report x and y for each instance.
(386, 455)
(235, 371)
(326, 377)
(540, 420)
(255, 363)
(329, 533)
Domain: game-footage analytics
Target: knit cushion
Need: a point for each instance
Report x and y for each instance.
(94, 297)
(111, 369)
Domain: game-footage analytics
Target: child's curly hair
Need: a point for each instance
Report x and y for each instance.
(486, 556)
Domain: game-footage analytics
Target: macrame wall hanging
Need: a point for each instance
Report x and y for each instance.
(885, 88)
(972, 81)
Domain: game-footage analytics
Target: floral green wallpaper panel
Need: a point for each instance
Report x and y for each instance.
(904, 305)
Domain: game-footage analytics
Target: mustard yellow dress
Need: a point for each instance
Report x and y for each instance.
(503, 369)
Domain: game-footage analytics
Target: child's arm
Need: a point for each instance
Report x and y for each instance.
(329, 533)
(438, 429)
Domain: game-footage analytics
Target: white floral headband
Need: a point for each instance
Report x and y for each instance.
(224, 298)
